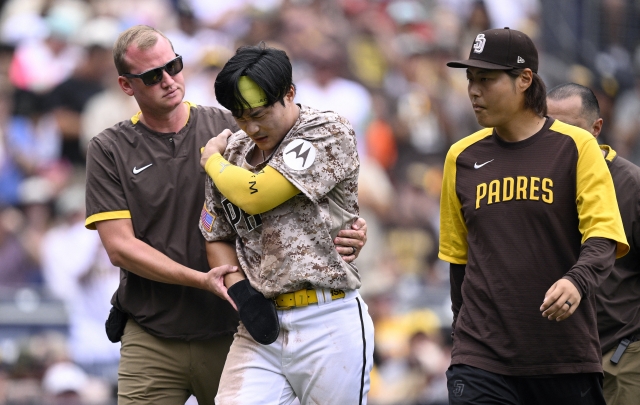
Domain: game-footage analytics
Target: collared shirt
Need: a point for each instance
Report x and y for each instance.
(156, 180)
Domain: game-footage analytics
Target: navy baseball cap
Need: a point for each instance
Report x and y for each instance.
(501, 49)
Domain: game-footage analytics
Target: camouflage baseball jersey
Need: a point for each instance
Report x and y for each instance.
(291, 246)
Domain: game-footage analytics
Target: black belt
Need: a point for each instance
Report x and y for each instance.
(624, 343)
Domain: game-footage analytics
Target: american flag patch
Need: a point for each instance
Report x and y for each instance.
(207, 219)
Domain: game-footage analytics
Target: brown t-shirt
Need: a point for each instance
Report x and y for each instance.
(618, 297)
(156, 180)
(516, 214)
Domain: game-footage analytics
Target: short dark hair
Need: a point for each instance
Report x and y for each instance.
(590, 106)
(269, 67)
(535, 97)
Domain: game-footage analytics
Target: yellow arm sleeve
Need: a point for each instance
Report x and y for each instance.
(254, 193)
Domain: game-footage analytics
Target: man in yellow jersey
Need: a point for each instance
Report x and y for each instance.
(618, 297)
(145, 196)
(530, 225)
(285, 185)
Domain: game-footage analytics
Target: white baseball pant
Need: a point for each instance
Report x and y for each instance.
(323, 356)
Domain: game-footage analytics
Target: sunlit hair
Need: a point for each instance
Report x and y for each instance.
(535, 97)
(269, 67)
(143, 36)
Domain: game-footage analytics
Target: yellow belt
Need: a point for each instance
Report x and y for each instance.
(302, 298)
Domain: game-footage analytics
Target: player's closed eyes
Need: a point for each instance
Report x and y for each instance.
(253, 118)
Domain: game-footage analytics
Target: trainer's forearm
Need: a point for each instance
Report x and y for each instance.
(145, 261)
(220, 253)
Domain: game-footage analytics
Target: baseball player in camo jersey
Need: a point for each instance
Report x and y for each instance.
(287, 183)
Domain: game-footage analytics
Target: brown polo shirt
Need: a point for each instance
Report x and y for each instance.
(516, 215)
(618, 297)
(156, 180)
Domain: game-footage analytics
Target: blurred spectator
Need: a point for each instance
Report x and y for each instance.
(18, 267)
(21, 233)
(157, 13)
(626, 123)
(478, 19)
(428, 356)
(517, 14)
(68, 99)
(409, 358)
(9, 173)
(379, 138)
(325, 89)
(64, 383)
(77, 270)
(6, 88)
(22, 384)
(193, 39)
(31, 143)
(375, 197)
(110, 105)
(199, 85)
(36, 196)
(232, 17)
(46, 57)
(103, 110)
(204, 51)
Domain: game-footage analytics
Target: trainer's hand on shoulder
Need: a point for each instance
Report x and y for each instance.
(215, 145)
(350, 242)
(560, 301)
(215, 282)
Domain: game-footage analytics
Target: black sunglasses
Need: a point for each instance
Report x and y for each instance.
(154, 76)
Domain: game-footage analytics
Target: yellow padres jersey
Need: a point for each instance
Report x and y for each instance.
(291, 246)
(516, 215)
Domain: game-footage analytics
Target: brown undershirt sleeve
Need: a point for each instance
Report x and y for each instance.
(456, 277)
(594, 264)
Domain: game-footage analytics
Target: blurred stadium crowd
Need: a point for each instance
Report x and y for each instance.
(380, 63)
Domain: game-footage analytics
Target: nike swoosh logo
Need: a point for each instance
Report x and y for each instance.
(585, 393)
(136, 170)
(477, 166)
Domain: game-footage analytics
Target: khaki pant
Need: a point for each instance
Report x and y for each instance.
(165, 371)
(622, 380)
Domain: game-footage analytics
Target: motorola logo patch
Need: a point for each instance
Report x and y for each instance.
(299, 154)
